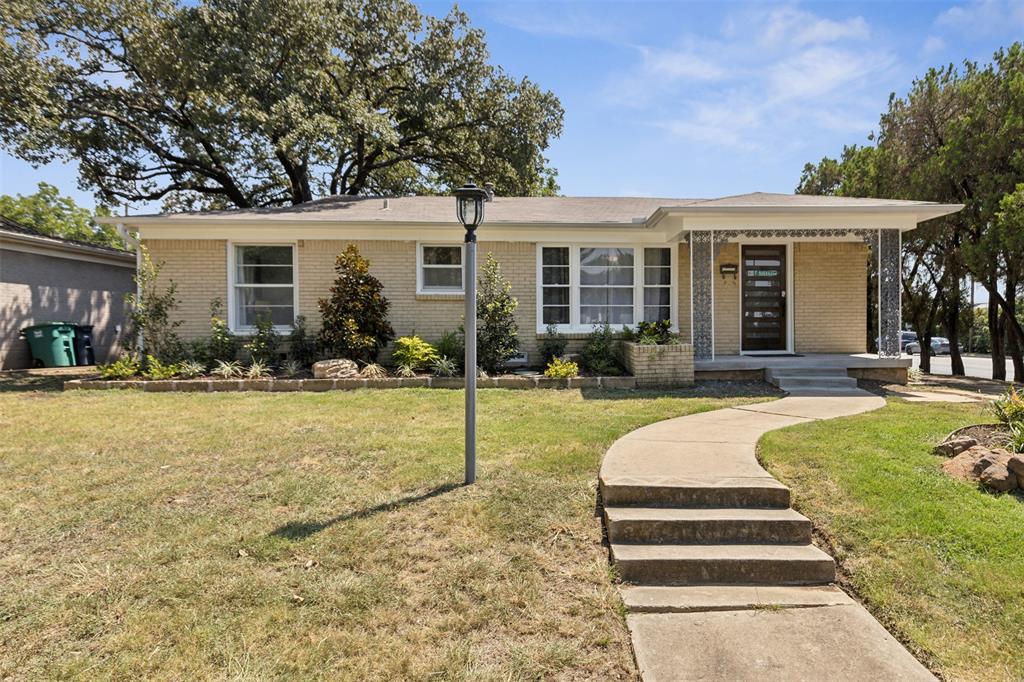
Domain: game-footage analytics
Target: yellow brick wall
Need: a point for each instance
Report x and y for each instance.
(394, 264)
(829, 295)
(199, 269)
(683, 309)
(727, 303)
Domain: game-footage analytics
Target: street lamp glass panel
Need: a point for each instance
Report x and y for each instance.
(471, 211)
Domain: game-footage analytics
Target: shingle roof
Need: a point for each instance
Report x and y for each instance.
(516, 210)
(8, 225)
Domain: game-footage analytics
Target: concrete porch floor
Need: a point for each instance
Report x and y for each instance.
(727, 363)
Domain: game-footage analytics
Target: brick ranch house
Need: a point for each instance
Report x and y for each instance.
(747, 278)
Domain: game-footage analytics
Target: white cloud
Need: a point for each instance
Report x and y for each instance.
(932, 45)
(820, 71)
(791, 26)
(559, 20)
(983, 17)
(680, 65)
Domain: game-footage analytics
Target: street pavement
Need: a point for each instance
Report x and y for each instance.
(974, 365)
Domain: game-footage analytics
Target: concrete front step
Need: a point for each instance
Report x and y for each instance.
(787, 382)
(654, 525)
(805, 371)
(723, 564)
(697, 598)
(761, 492)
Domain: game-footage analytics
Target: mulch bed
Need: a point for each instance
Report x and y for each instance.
(987, 435)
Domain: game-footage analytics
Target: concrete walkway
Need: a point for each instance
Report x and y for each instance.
(721, 581)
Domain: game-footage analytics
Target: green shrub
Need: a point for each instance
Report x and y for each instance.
(1016, 443)
(302, 347)
(263, 344)
(159, 370)
(450, 346)
(355, 316)
(291, 368)
(414, 352)
(496, 334)
(149, 315)
(405, 371)
(553, 345)
(190, 369)
(230, 369)
(601, 354)
(654, 333)
(562, 369)
(373, 371)
(445, 367)
(126, 366)
(1009, 407)
(222, 344)
(258, 370)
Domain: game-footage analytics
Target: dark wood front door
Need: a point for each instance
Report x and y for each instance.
(764, 297)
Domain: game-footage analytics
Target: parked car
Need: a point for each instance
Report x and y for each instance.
(940, 346)
(907, 338)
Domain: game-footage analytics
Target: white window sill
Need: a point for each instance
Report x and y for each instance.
(440, 295)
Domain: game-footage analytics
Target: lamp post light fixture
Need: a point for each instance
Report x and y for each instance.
(469, 207)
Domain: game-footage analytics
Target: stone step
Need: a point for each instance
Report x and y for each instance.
(708, 525)
(785, 381)
(699, 598)
(761, 492)
(723, 564)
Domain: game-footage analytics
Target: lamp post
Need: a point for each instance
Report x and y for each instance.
(469, 207)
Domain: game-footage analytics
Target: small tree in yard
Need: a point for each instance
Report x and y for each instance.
(497, 331)
(150, 328)
(355, 316)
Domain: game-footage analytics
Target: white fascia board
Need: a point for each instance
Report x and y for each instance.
(259, 230)
(801, 217)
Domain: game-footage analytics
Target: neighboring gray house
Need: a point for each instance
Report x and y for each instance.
(48, 279)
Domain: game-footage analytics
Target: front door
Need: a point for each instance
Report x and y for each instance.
(764, 297)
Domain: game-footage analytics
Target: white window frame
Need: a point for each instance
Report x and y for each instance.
(233, 323)
(575, 326)
(427, 291)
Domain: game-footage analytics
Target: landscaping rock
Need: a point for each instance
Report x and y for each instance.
(969, 464)
(954, 447)
(335, 369)
(1016, 464)
(999, 478)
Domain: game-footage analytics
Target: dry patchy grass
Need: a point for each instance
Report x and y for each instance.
(183, 536)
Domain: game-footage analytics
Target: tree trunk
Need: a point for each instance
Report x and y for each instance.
(1013, 344)
(924, 340)
(995, 332)
(953, 329)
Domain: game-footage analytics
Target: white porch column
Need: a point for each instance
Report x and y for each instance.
(702, 294)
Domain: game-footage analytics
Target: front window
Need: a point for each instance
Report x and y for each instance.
(264, 285)
(580, 286)
(606, 286)
(440, 268)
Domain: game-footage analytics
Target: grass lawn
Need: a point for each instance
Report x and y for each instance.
(250, 535)
(938, 561)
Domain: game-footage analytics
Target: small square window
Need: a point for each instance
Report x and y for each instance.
(440, 268)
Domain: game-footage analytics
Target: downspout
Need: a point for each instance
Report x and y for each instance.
(134, 239)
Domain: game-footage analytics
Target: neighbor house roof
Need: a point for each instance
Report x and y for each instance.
(13, 233)
(535, 210)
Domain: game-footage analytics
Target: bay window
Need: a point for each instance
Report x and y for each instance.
(580, 286)
(263, 285)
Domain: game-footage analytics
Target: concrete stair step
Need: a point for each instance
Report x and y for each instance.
(785, 380)
(698, 598)
(805, 372)
(762, 492)
(723, 564)
(708, 525)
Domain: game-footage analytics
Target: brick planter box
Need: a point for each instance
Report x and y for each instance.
(280, 385)
(662, 366)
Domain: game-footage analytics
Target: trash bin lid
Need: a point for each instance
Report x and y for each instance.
(46, 325)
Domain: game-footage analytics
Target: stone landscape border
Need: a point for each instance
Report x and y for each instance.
(347, 384)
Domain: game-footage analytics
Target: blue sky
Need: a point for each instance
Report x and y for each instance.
(704, 99)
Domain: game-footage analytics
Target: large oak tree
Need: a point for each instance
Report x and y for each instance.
(242, 103)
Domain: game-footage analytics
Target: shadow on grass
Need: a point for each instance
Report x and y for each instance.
(299, 530)
(700, 389)
(29, 383)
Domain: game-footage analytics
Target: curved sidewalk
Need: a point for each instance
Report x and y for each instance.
(728, 585)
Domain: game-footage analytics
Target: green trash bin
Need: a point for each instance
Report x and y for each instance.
(52, 344)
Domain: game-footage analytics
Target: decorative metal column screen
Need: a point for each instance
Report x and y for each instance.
(889, 261)
(701, 282)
